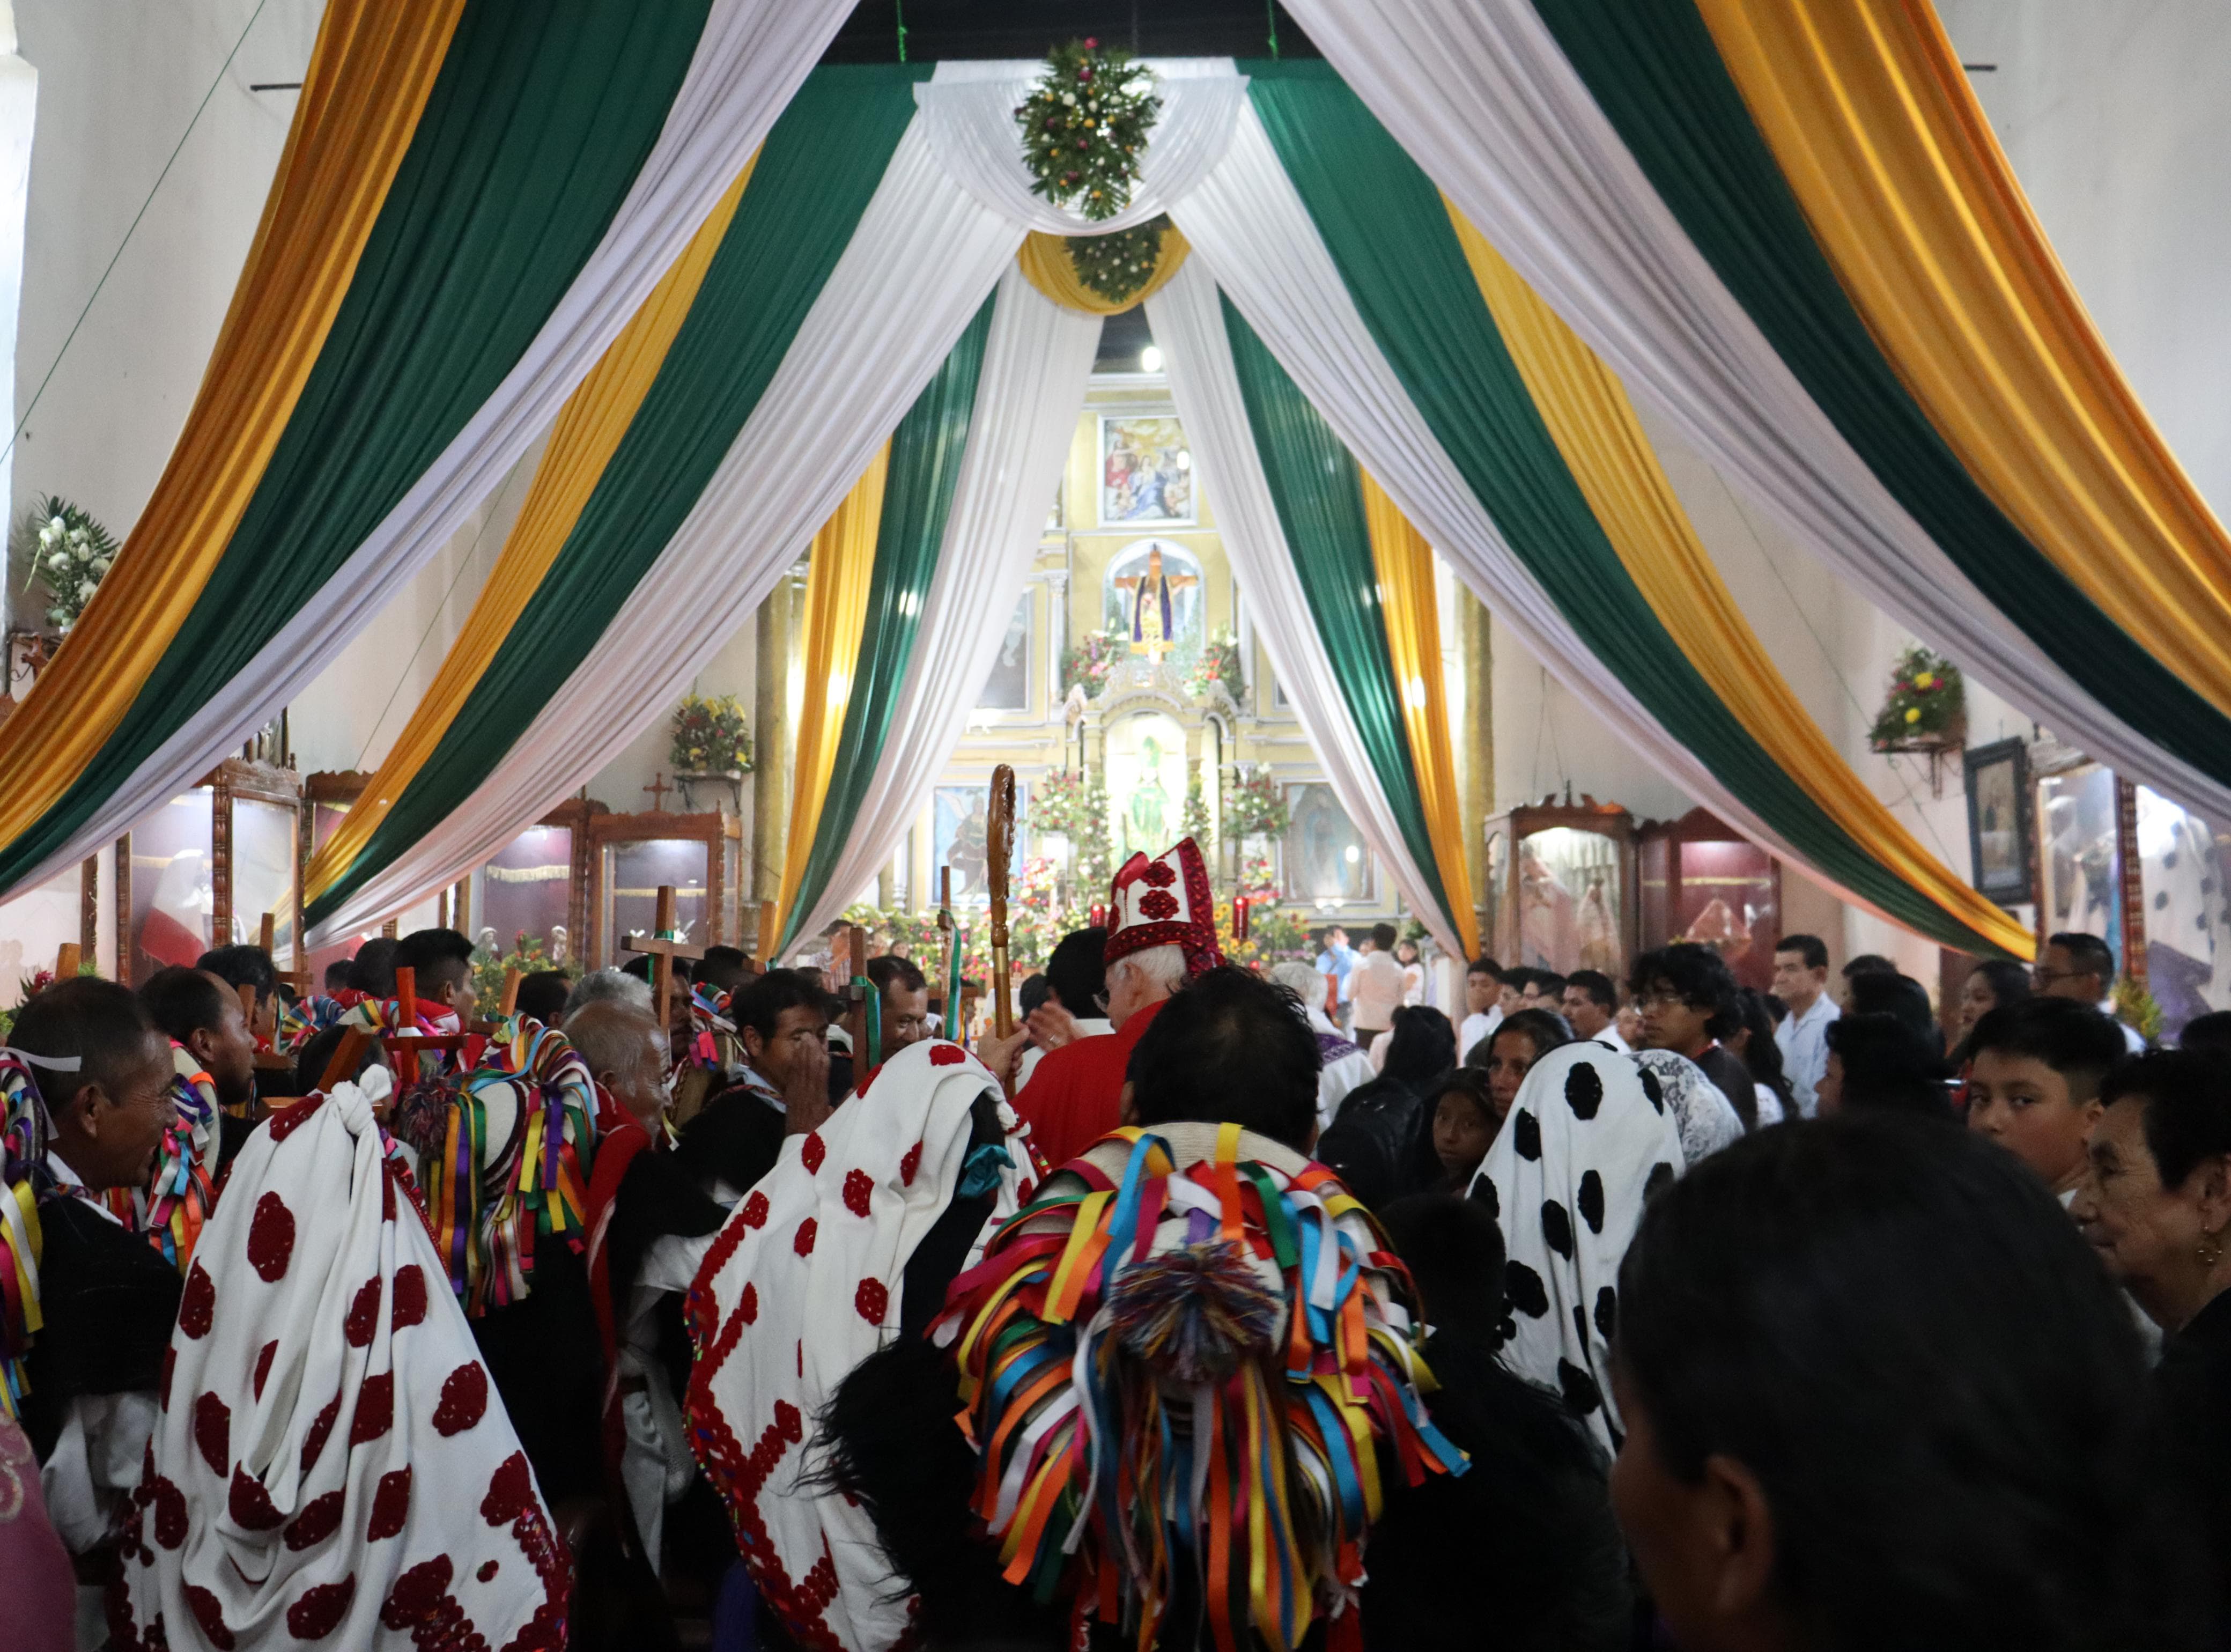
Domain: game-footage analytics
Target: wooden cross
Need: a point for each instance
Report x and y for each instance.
(666, 949)
(508, 1006)
(405, 1047)
(267, 938)
(658, 790)
(65, 961)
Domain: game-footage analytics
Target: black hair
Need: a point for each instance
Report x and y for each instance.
(105, 1026)
(1454, 1251)
(2187, 1097)
(1885, 992)
(1899, 1332)
(1384, 936)
(1810, 947)
(1596, 984)
(1762, 1056)
(1424, 1045)
(337, 976)
(1485, 965)
(760, 1004)
(182, 1001)
(1233, 1048)
(726, 967)
(437, 956)
(243, 966)
(891, 968)
(2010, 983)
(1076, 971)
(2074, 1039)
(1888, 1066)
(1868, 963)
(542, 996)
(1548, 983)
(372, 969)
(2211, 1032)
(2089, 955)
(1518, 975)
(315, 1057)
(1699, 977)
(643, 965)
(1549, 1030)
(1031, 993)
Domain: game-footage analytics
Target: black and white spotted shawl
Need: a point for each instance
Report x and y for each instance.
(1585, 1144)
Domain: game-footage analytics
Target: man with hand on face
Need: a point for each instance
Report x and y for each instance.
(107, 1295)
(783, 1020)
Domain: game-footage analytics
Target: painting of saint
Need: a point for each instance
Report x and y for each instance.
(1146, 473)
(1325, 860)
(960, 841)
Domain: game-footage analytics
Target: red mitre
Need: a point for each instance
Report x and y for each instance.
(1166, 901)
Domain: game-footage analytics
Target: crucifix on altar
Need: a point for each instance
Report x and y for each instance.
(665, 946)
(1148, 598)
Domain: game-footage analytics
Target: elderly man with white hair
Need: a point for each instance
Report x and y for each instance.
(1161, 932)
(1343, 1065)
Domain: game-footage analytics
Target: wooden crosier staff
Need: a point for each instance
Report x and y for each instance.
(999, 857)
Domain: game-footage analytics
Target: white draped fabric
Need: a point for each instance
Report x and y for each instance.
(753, 55)
(1249, 229)
(968, 109)
(1484, 100)
(1188, 324)
(1036, 364)
(923, 250)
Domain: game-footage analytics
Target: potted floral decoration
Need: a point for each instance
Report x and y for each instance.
(1926, 708)
(1217, 666)
(1093, 659)
(70, 553)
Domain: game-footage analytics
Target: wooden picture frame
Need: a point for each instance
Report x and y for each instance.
(720, 834)
(2003, 866)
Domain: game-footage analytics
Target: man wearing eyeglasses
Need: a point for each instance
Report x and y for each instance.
(2082, 967)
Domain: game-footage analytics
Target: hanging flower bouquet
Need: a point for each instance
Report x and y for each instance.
(1083, 125)
(1926, 706)
(70, 553)
(1257, 808)
(1118, 264)
(711, 736)
(1093, 659)
(1218, 665)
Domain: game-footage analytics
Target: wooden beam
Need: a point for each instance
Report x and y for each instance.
(127, 941)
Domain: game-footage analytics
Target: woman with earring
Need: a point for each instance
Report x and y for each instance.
(2156, 1205)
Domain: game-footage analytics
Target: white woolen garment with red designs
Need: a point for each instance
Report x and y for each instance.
(331, 1464)
(801, 1284)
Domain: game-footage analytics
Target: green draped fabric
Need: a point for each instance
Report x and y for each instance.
(538, 121)
(925, 467)
(1654, 71)
(1387, 230)
(820, 165)
(1319, 498)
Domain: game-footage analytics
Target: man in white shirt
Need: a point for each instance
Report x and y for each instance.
(1800, 981)
(1337, 960)
(2082, 967)
(1484, 1013)
(1592, 1007)
(1376, 987)
(1341, 1065)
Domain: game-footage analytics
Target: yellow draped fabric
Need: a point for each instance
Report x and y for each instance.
(582, 442)
(1871, 121)
(1046, 264)
(366, 85)
(836, 583)
(1603, 443)
(1405, 563)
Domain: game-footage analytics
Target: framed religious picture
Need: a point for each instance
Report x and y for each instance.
(1008, 688)
(1322, 858)
(2079, 855)
(1702, 881)
(1562, 894)
(1146, 473)
(1998, 821)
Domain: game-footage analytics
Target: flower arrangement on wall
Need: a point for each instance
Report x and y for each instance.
(1926, 704)
(711, 735)
(69, 554)
(1217, 666)
(1083, 125)
(1258, 807)
(1092, 660)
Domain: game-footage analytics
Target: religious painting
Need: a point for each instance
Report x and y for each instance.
(1153, 598)
(264, 866)
(2079, 858)
(634, 869)
(1569, 913)
(959, 839)
(1145, 784)
(1998, 820)
(1146, 473)
(526, 890)
(2187, 919)
(1324, 860)
(1008, 688)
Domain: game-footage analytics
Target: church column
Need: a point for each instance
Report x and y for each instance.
(772, 736)
(1475, 738)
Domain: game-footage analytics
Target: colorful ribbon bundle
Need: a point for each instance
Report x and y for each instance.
(23, 1166)
(1211, 1358)
(304, 1019)
(175, 1204)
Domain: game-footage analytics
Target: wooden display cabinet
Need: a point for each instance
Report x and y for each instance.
(1560, 890)
(1702, 881)
(630, 856)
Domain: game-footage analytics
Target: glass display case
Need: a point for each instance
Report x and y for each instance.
(537, 886)
(2079, 861)
(631, 855)
(202, 871)
(1561, 886)
(1704, 881)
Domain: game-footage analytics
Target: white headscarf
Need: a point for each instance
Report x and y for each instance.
(801, 1284)
(1584, 1145)
(332, 1462)
(1705, 1117)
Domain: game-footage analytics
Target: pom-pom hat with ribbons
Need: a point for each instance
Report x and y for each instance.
(1165, 902)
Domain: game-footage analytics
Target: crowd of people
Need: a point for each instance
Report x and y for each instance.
(1212, 1308)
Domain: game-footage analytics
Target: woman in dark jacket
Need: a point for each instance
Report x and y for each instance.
(1383, 1142)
